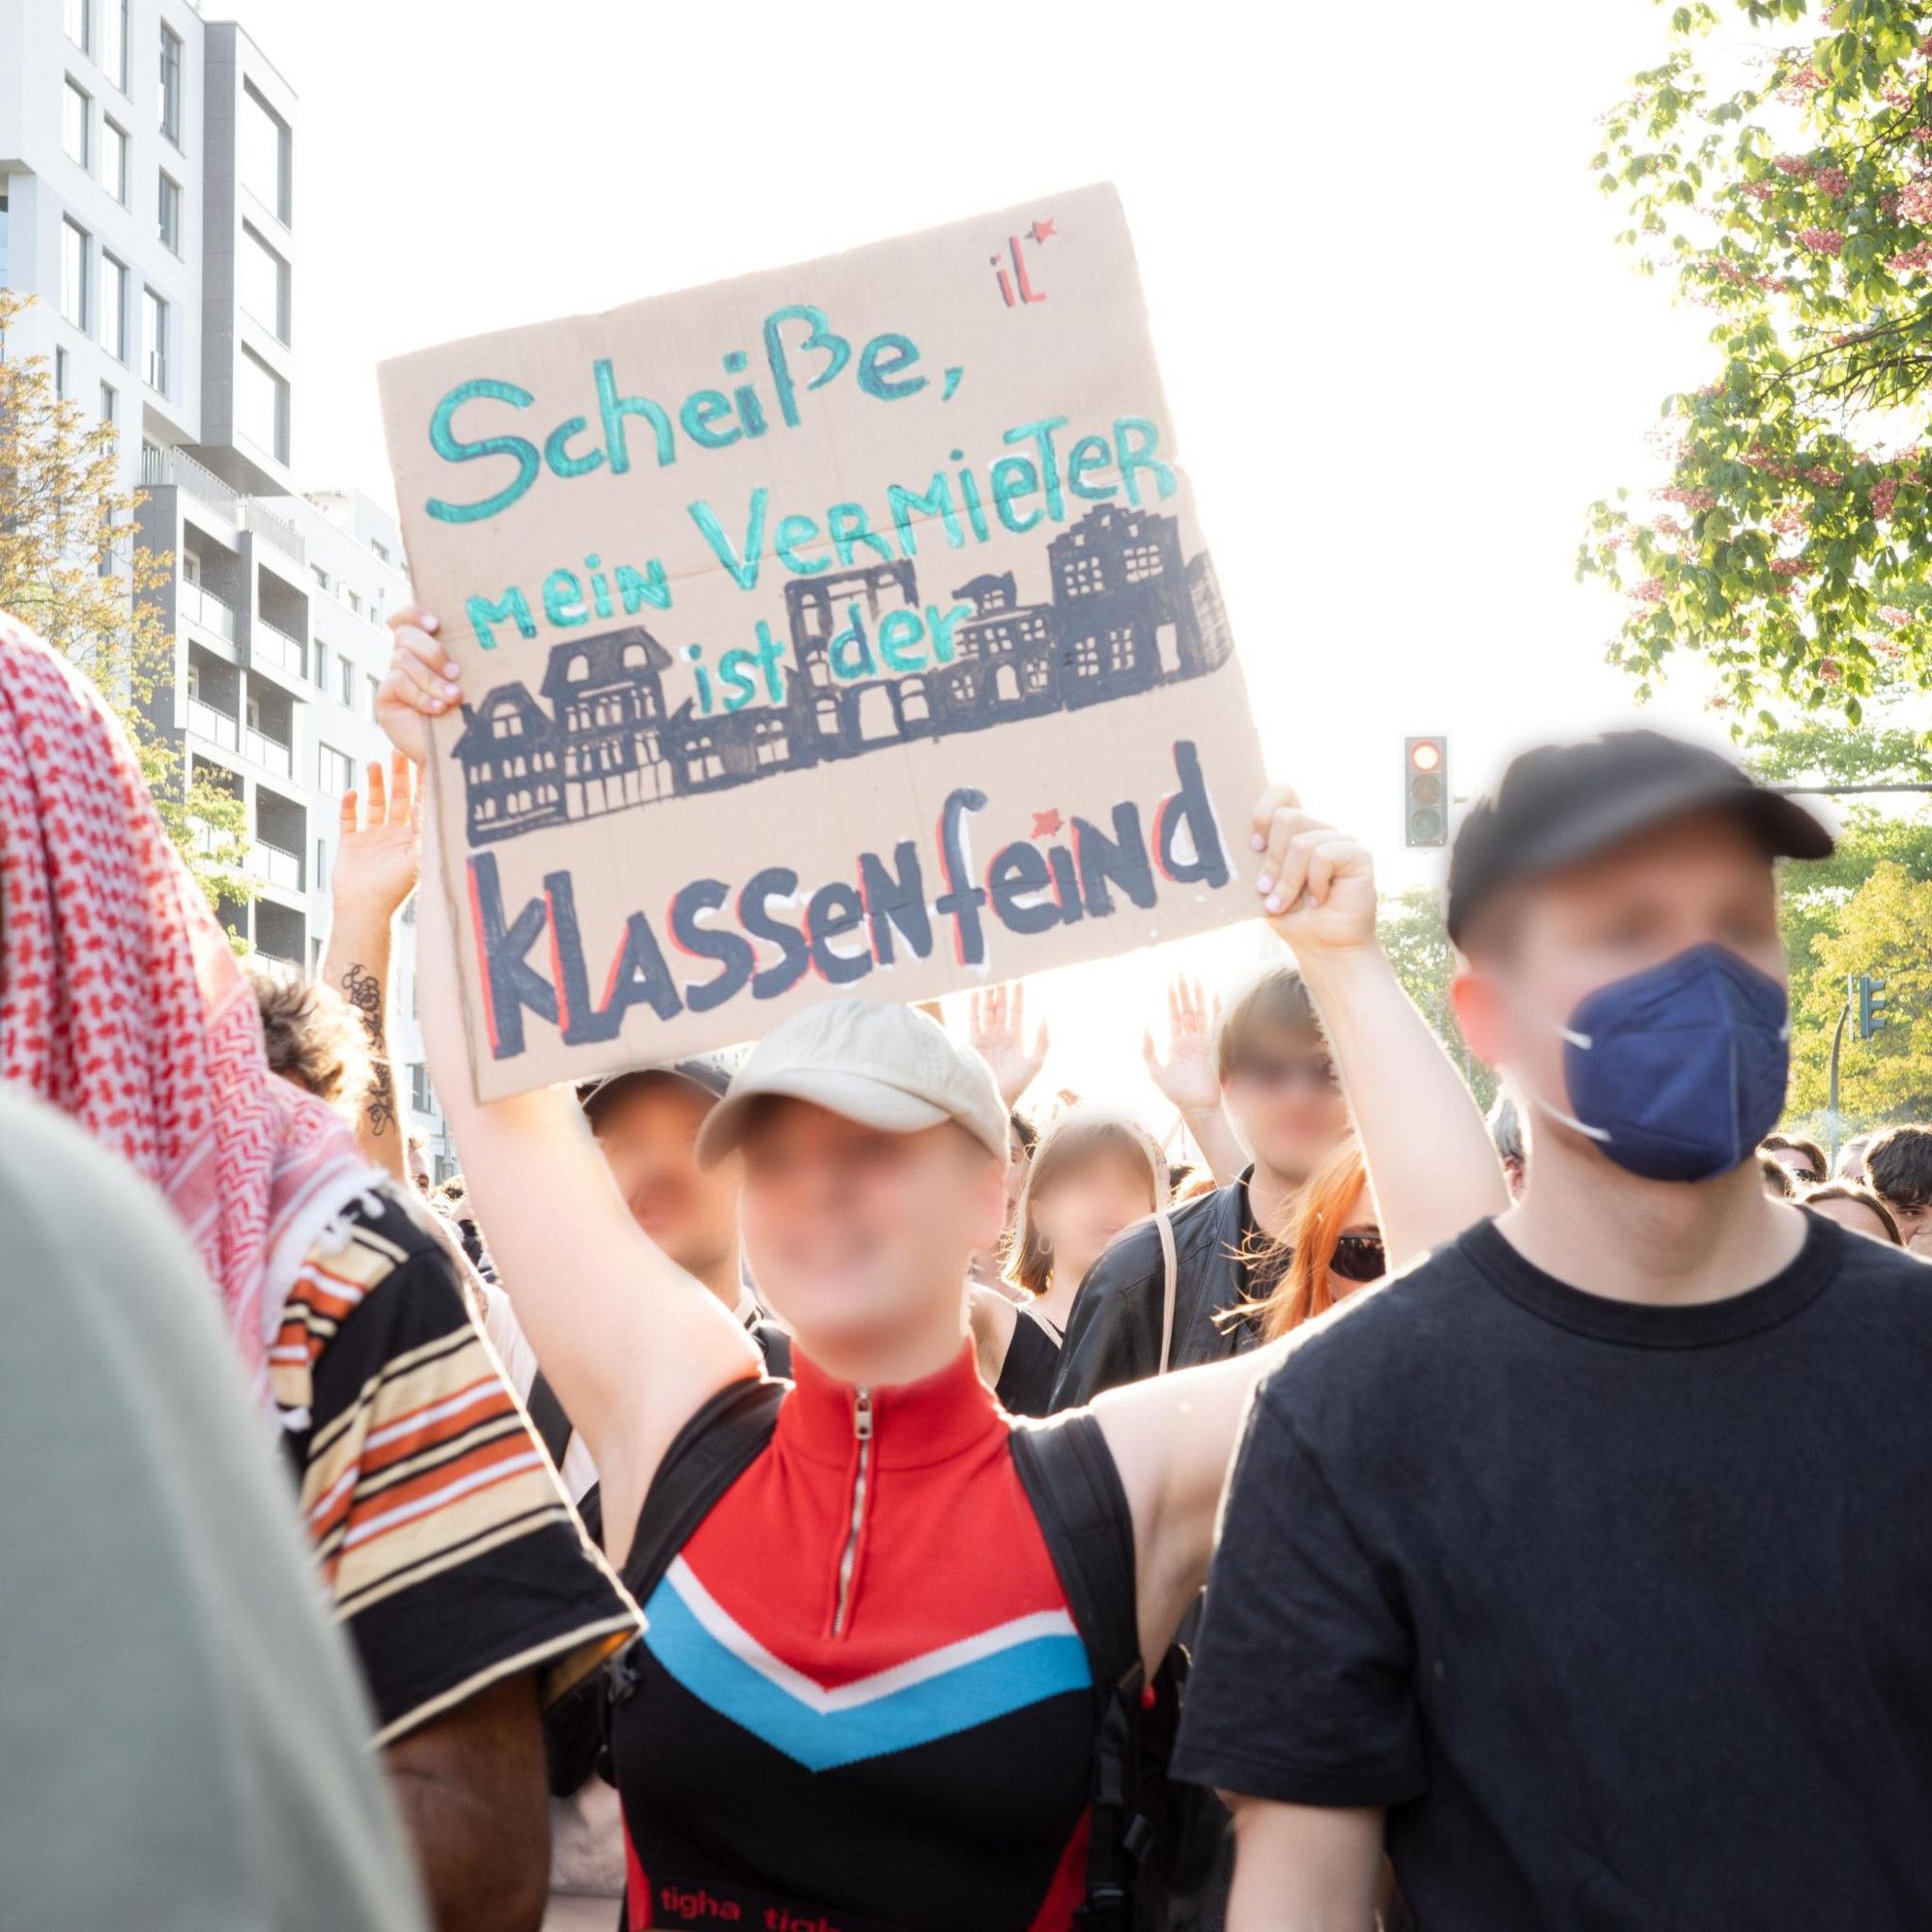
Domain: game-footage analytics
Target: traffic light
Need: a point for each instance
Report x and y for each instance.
(1868, 1003)
(1425, 791)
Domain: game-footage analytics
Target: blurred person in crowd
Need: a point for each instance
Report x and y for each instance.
(1851, 1165)
(1094, 1174)
(1135, 1315)
(1857, 1209)
(1478, 1507)
(311, 1037)
(187, 1736)
(1776, 1176)
(868, 1692)
(1333, 1246)
(1188, 1077)
(1803, 1159)
(477, 1600)
(453, 1201)
(1187, 1182)
(1898, 1170)
(1506, 1132)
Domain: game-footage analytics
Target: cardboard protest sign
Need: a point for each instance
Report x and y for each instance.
(845, 628)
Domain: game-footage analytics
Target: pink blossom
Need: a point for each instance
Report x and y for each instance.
(1895, 614)
(1692, 500)
(1649, 591)
(1667, 526)
(1792, 567)
(1794, 165)
(1912, 260)
(1922, 134)
(1915, 200)
(1790, 522)
(1822, 241)
(1884, 493)
(1828, 672)
(1823, 475)
(1833, 182)
(1760, 190)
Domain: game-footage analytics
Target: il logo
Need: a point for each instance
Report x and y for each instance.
(1017, 287)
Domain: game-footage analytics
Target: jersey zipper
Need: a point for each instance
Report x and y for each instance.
(848, 1558)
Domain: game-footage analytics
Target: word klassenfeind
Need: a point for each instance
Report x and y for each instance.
(844, 928)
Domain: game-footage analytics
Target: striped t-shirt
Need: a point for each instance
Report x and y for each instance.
(450, 1553)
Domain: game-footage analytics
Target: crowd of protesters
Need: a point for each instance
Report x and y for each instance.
(838, 1487)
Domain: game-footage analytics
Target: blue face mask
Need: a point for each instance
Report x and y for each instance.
(1678, 1071)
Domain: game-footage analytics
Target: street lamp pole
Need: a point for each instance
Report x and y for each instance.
(1837, 1040)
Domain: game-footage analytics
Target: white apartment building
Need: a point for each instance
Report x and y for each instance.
(149, 165)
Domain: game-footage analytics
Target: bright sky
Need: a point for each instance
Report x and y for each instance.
(1401, 350)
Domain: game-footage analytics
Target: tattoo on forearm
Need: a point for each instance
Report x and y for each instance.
(364, 992)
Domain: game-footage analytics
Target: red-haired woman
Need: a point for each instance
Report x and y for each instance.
(1333, 1245)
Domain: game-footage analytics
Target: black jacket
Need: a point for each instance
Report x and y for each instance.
(1114, 1334)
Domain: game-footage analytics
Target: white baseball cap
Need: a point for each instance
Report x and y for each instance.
(883, 1064)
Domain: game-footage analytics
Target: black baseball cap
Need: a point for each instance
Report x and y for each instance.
(1560, 804)
(710, 1077)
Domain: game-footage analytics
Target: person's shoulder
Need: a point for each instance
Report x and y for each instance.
(1134, 1254)
(1883, 1278)
(1399, 1323)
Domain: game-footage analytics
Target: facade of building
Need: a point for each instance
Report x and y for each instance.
(148, 168)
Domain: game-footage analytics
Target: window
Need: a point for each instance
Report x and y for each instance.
(265, 155)
(110, 403)
(114, 161)
(114, 307)
(1142, 560)
(346, 685)
(60, 373)
(374, 685)
(4, 284)
(155, 340)
(170, 221)
(113, 54)
(336, 771)
(75, 294)
(262, 405)
(171, 85)
(321, 865)
(420, 1097)
(78, 127)
(382, 551)
(78, 18)
(265, 283)
(320, 665)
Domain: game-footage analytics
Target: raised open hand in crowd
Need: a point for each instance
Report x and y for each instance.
(379, 849)
(1187, 1072)
(996, 1029)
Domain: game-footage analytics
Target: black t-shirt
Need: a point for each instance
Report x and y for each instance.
(1624, 1612)
(1026, 1376)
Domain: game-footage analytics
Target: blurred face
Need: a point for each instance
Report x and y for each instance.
(1699, 879)
(1795, 1164)
(1087, 1205)
(1855, 1217)
(1284, 1096)
(860, 1240)
(648, 1132)
(1914, 1224)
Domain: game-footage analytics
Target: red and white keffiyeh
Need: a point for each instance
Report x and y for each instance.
(122, 1004)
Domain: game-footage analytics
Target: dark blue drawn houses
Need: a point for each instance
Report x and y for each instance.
(1129, 613)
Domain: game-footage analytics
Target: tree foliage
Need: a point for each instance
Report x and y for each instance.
(1417, 943)
(1791, 545)
(72, 569)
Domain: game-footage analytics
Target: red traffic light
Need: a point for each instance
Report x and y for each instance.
(1425, 754)
(1425, 787)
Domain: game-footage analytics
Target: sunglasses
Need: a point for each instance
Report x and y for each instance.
(1361, 1258)
(1316, 1071)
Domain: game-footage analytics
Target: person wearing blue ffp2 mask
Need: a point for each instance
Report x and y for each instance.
(1580, 1564)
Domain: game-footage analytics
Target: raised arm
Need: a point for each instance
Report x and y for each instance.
(630, 1342)
(375, 871)
(1187, 1076)
(1431, 1170)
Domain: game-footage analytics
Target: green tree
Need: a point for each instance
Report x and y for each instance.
(1881, 929)
(1412, 933)
(1791, 546)
(72, 569)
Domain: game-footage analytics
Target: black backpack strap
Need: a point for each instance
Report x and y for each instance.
(1071, 1478)
(707, 1455)
(548, 1419)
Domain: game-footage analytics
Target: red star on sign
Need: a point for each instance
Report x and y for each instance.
(1040, 230)
(1045, 824)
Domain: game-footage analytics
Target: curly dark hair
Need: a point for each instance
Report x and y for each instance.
(314, 1037)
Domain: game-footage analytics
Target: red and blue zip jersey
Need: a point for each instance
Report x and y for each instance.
(862, 1703)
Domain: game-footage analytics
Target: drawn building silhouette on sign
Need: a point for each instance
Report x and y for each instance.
(1127, 613)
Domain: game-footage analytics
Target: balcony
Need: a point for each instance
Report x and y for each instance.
(274, 867)
(204, 608)
(276, 531)
(162, 467)
(218, 727)
(278, 651)
(270, 754)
